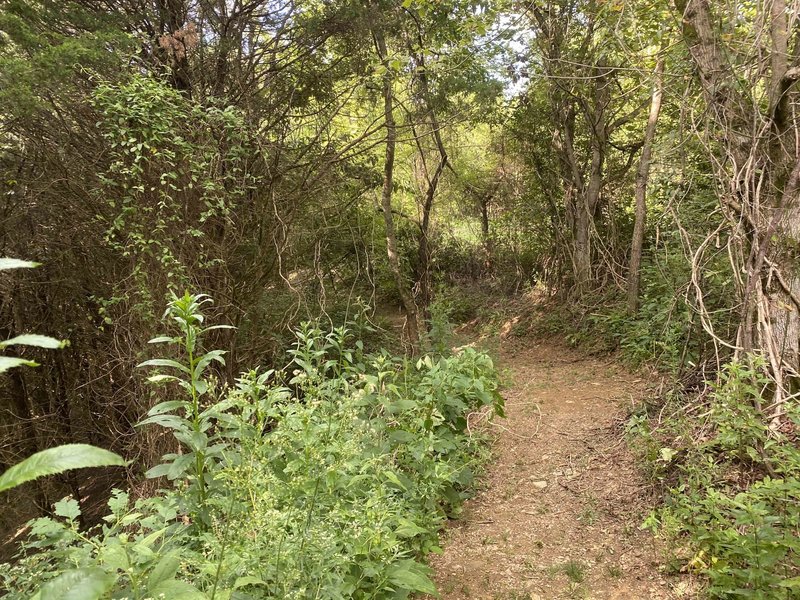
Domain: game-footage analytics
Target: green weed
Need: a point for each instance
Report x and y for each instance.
(330, 478)
(574, 570)
(614, 571)
(732, 513)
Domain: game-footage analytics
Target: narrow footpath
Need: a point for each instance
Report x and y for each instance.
(561, 503)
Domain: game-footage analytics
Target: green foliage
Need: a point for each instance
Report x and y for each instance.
(662, 333)
(57, 460)
(43, 44)
(175, 173)
(191, 424)
(136, 552)
(53, 460)
(377, 451)
(736, 498)
(32, 339)
(328, 479)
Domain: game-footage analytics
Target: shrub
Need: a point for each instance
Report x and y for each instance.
(330, 478)
(737, 498)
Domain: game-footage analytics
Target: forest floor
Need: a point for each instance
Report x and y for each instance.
(561, 502)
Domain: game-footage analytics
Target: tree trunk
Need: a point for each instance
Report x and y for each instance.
(424, 252)
(581, 248)
(410, 308)
(485, 199)
(759, 181)
(642, 176)
(586, 209)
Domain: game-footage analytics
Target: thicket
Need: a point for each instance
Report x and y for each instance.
(328, 478)
(731, 512)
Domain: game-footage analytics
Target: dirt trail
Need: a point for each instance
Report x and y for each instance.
(561, 503)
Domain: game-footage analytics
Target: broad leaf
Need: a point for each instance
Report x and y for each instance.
(162, 339)
(80, 584)
(248, 580)
(164, 570)
(9, 362)
(32, 339)
(158, 471)
(180, 466)
(205, 360)
(410, 575)
(164, 362)
(409, 529)
(218, 327)
(162, 377)
(57, 460)
(15, 263)
(167, 406)
(153, 537)
(392, 477)
(68, 508)
(168, 421)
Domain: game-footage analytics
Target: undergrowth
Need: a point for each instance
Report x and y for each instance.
(732, 483)
(665, 333)
(328, 479)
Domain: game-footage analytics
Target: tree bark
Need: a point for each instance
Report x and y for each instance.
(424, 252)
(589, 199)
(642, 177)
(581, 248)
(485, 199)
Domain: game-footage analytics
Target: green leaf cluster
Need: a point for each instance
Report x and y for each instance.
(330, 478)
(733, 511)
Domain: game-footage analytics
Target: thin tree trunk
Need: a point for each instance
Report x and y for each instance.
(424, 252)
(642, 177)
(410, 308)
(485, 199)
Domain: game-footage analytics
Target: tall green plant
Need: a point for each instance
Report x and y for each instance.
(191, 424)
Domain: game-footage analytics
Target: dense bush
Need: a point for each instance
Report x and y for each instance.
(328, 479)
(733, 510)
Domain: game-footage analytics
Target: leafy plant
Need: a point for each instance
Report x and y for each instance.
(328, 479)
(136, 553)
(733, 513)
(190, 422)
(376, 449)
(53, 460)
(57, 460)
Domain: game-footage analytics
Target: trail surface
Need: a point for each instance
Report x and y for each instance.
(561, 502)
